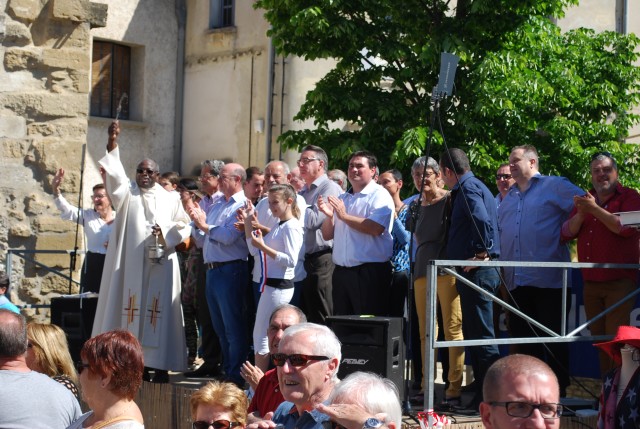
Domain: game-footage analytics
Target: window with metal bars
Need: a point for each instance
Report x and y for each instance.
(110, 78)
(221, 13)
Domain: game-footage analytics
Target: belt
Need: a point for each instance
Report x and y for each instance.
(318, 253)
(212, 265)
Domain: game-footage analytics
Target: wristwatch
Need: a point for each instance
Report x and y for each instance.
(372, 423)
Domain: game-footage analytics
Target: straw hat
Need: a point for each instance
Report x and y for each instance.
(626, 335)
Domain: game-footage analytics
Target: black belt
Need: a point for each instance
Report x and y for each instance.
(212, 265)
(318, 253)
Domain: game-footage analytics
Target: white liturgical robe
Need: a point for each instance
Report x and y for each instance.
(137, 294)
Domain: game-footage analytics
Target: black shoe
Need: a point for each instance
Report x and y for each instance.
(470, 409)
(204, 372)
(469, 387)
(448, 405)
(161, 377)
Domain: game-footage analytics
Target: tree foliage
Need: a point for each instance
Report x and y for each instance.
(520, 80)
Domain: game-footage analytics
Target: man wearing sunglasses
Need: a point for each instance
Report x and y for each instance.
(520, 391)
(307, 365)
(138, 293)
(29, 399)
(603, 239)
(503, 182)
(267, 395)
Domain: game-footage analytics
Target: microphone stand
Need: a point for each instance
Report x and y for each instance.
(73, 256)
(414, 213)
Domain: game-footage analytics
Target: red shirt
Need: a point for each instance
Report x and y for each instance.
(267, 396)
(597, 244)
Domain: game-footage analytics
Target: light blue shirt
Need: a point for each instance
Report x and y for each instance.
(529, 223)
(5, 304)
(223, 242)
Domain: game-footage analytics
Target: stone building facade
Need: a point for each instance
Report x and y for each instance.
(46, 121)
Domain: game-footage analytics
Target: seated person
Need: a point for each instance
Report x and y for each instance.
(219, 405)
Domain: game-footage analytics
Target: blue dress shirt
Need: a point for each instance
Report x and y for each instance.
(223, 242)
(530, 224)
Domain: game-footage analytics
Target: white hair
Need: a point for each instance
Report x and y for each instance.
(370, 391)
(325, 342)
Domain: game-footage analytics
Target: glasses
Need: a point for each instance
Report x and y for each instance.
(525, 409)
(80, 366)
(206, 177)
(218, 424)
(279, 359)
(223, 177)
(503, 176)
(148, 171)
(99, 196)
(418, 175)
(603, 153)
(305, 161)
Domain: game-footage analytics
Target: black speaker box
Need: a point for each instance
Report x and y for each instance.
(76, 322)
(371, 344)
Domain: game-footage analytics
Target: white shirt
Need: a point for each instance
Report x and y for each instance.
(266, 219)
(352, 248)
(96, 229)
(286, 238)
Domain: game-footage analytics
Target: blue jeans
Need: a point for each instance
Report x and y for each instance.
(477, 319)
(225, 296)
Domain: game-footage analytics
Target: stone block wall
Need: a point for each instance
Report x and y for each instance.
(44, 89)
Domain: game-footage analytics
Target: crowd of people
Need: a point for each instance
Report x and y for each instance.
(216, 272)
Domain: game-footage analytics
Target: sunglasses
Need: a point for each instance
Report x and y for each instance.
(149, 171)
(80, 366)
(503, 176)
(279, 359)
(218, 424)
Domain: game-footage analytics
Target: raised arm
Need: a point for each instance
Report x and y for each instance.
(114, 131)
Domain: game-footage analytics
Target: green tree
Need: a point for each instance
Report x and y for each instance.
(520, 81)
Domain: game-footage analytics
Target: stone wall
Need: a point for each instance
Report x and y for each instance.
(44, 87)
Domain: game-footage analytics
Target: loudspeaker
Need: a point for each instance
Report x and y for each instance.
(371, 344)
(76, 322)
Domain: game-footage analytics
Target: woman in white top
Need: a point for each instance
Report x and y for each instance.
(97, 224)
(277, 253)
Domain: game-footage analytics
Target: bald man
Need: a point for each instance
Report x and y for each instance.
(520, 391)
(137, 293)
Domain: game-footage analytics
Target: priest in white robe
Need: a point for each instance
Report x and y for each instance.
(136, 293)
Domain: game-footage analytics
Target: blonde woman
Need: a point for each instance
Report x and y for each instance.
(48, 353)
(219, 405)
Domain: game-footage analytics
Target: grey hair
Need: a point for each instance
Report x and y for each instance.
(215, 166)
(13, 334)
(285, 167)
(338, 176)
(302, 318)
(370, 391)
(325, 342)
(320, 154)
(418, 165)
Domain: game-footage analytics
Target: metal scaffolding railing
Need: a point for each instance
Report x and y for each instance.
(555, 337)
